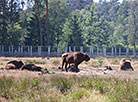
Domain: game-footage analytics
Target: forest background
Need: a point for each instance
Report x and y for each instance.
(103, 23)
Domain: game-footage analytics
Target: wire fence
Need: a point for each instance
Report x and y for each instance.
(48, 51)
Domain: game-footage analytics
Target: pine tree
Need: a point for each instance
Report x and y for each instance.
(72, 33)
(96, 29)
(133, 24)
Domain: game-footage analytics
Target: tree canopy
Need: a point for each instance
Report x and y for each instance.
(106, 23)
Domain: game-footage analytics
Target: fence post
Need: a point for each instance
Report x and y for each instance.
(2, 50)
(12, 50)
(28, 49)
(66, 49)
(58, 50)
(9, 50)
(39, 50)
(28, 52)
(97, 51)
(22, 50)
(91, 51)
(48, 50)
(70, 49)
(115, 51)
(74, 48)
(112, 51)
(134, 51)
(19, 50)
(104, 51)
(81, 49)
(31, 50)
(119, 51)
(127, 52)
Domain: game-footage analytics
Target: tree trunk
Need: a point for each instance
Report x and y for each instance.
(4, 30)
(40, 28)
(47, 34)
(39, 22)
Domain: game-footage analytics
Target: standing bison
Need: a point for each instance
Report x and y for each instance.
(124, 65)
(75, 57)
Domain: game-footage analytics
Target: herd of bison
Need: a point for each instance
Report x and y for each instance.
(74, 58)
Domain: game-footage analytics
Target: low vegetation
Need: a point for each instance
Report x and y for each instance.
(35, 62)
(65, 88)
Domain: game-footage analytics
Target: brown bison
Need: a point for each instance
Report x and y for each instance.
(10, 66)
(64, 55)
(31, 67)
(14, 64)
(124, 65)
(75, 57)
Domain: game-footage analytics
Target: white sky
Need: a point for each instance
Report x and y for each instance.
(93, 0)
(106, 0)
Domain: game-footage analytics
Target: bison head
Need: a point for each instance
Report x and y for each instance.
(86, 57)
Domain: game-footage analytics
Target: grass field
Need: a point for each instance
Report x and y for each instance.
(91, 84)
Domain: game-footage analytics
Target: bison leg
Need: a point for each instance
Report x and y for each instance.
(132, 68)
(66, 67)
(63, 61)
(62, 65)
(76, 67)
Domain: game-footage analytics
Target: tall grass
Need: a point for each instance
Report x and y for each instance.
(63, 88)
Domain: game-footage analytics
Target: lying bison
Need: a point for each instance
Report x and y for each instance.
(124, 65)
(75, 57)
(10, 66)
(31, 67)
(14, 64)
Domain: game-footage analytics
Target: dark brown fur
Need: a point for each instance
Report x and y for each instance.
(124, 65)
(75, 57)
(31, 67)
(14, 64)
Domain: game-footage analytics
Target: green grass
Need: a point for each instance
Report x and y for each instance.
(65, 88)
(34, 62)
(56, 62)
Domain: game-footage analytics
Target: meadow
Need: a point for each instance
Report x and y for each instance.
(91, 84)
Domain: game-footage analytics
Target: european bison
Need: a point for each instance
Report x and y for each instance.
(14, 64)
(31, 67)
(124, 65)
(10, 66)
(75, 57)
(64, 55)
